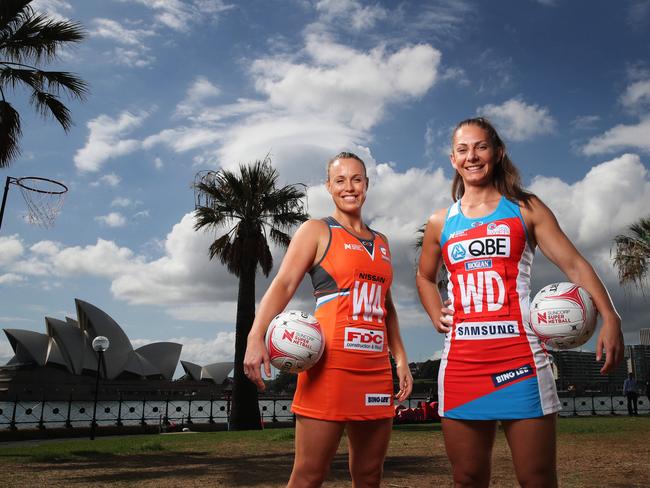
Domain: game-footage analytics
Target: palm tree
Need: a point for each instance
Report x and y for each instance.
(27, 41)
(632, 254)
(251, 209)
(442, 279)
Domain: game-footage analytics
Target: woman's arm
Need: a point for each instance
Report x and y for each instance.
(557, 247)
(396, 347)
(426, 277)
(300, 256)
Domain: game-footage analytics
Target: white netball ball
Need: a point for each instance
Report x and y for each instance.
(295, 341)
(563, 315)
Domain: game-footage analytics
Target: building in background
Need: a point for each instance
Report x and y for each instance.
(62, 365)
(644, 337)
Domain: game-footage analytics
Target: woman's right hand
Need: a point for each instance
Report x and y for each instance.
(256, 356)
(443, 325)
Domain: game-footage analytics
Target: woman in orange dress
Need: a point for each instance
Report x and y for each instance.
(351, 387)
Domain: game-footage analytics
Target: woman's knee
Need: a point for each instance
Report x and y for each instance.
(471, 476)
(368, 474)
(307, 476)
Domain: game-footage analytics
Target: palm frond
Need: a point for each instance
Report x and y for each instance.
(12, 15)
(632, 253)
(38, 38)
(280, 238)
(264, 256)
(10, 133)
(47, 104)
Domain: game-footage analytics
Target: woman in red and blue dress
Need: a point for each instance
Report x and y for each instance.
(351, 386)
(494, 367)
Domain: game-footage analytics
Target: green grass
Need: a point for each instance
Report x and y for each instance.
(603, 425)
(257, 441)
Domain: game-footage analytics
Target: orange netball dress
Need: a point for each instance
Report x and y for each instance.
(352, 380)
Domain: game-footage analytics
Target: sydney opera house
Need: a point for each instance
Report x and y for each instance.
(61, 364)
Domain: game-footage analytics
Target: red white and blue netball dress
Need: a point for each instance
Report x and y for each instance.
(493, 365)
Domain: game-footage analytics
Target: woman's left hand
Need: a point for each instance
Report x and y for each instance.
(610, 339)
(405, 382)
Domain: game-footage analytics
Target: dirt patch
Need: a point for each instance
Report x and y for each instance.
(416, 459)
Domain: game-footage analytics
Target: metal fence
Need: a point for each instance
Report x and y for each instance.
(15, 415)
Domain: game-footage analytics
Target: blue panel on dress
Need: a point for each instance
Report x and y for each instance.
(518, 401)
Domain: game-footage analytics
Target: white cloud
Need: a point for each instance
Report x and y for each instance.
(113, 219)
(110, 179)
(11, 248)
(200, 90)
(350, 13)
(122, 202)
(182, 139)
(207, 351)
(53, 8)
(142, 214)
(585, 122)
(179, 15)
(113, 30)
(106, 140)
(104, 258)
(158, 163)
(350, 86)
(590, 220)
(518, 120)
(10, 278)
(621, 137)
(48, 248)
(637, 95)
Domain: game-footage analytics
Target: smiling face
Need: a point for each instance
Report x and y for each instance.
(473, 155)
(347, 183)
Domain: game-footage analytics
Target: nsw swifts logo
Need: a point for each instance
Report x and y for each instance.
(498, 229)
(363, 339)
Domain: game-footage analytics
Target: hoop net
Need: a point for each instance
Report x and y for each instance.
(44, 199)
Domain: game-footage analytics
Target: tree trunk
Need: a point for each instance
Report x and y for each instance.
(245, 413)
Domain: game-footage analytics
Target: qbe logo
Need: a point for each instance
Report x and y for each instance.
(482, 247)
(377, 399)
(363, 339)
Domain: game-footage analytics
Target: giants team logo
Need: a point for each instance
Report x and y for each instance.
(483, 247)
(377, 399)
(363, 339)
(384, 253)
(367, 292)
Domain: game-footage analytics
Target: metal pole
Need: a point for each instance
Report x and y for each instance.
(4, 198)
(93, 424)
(119, 411)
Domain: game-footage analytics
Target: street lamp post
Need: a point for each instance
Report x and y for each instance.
(100, 344)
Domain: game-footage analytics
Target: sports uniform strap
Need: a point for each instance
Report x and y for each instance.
(327, 221)
(331, 222)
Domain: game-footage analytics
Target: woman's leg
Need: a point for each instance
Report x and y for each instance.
(532, 443)
(368, 443)
(469, 447)
(316, 444)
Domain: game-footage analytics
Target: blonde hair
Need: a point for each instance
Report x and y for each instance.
(345, 155)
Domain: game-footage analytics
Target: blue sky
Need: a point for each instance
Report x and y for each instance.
(182, 86)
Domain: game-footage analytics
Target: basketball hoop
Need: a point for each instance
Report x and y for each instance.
(43, 197)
